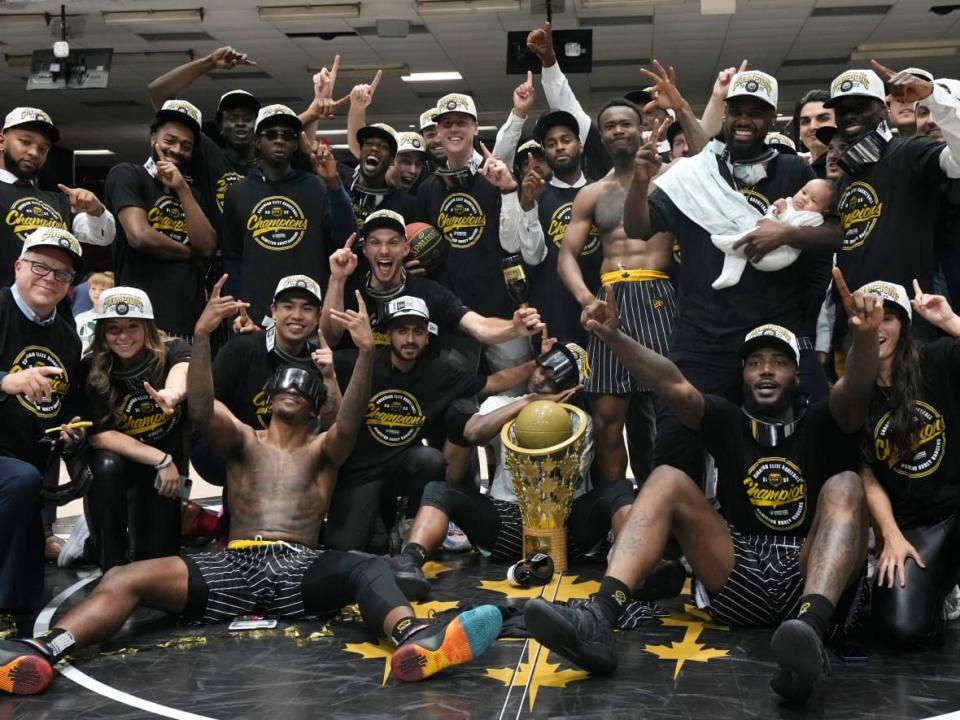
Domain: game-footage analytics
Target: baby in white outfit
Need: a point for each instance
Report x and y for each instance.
(806, 208)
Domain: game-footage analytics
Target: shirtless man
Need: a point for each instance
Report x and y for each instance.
(638, 272)
(280, 482)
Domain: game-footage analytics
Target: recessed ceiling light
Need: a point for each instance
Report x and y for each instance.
(431, 76)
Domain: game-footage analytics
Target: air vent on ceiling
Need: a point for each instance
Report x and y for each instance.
(371, 30)
(806, 62)
(321, 35)
(111, 103)
(239, 75)
(175, 36)
(611, 21)
(850, 10)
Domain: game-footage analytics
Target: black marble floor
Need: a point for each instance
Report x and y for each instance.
(680, 666)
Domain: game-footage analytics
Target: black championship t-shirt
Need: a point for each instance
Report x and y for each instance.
(275, 229)
(24, 210)
(399, 201)
(924, 488)
(774, 490)
(470, 221)
(711, 320)
(213, 176)
(175, 287)
(140, 417)
(241, 369)
(888, 213)
(24, 345)
(403, 407)
(446, 309)
(558, 308)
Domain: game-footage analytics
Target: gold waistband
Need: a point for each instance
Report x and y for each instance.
(244, 544)
(615, 276)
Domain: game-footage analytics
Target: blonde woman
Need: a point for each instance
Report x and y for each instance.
(135, 386)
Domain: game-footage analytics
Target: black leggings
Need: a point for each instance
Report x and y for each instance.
(357, 500)
(122, 495)
(913, 614)
(477, 515)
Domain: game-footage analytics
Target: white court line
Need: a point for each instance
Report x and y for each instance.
(69, 671)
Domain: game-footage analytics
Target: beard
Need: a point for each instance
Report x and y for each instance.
(571, 164)
(14, 167)
(775, 411)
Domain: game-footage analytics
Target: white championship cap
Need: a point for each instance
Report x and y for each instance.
(125, 302)
(302, 283)
(24, 116)
(455, 102)
(890, 292)
(856, 83)
(770, 335)
(753, 83)
(408, 306)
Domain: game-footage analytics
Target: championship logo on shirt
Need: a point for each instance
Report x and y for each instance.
(461, 220)
(35, 356)
(29, 213)
(394, 417)
(558, 228)
(141, 418)
(758, 201)
(859, 209)
(928, 443)
(778, 493)
(167, 216)
(277, 223)
(223, 184)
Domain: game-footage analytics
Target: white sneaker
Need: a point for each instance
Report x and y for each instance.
(73, 547)
(456, 540)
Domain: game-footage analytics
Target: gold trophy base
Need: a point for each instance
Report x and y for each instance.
(552, 542)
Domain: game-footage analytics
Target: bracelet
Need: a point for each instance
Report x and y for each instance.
(165, 463)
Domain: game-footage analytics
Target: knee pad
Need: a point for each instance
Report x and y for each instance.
(616, 494)
(434, 495)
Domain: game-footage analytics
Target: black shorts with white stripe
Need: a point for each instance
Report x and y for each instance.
(765, 586)
(647, 311)
(266, 579)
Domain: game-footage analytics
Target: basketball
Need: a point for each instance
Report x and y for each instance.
(426, 245)
(543, 424)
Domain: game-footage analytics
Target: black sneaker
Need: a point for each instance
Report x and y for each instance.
(436, 646)
(409, 576)
(24, 668)
(664, 582)
(802, 659)
(580, 634)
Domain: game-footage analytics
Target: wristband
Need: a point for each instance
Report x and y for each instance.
(165, 463)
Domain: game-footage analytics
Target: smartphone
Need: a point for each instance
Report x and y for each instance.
(186, 485)
(252, 622)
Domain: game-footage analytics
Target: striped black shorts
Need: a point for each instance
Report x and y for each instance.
(266, 579)
(765, 585)
(647, 311)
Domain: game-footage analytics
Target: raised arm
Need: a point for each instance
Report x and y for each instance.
(323, 360)
(556, 88)
(936, 310)
(342, 264)
(323, 105)
(361, 97)
(508, 136)
(172, 83)
(646, 165)
(648, 367)
(667, 97)
(340, 438)
(712, 119)
(850, 397)
(222, 430)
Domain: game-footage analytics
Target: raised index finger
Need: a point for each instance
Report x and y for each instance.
(882, 70)
(916, 289)
(376, 81)
(657, 133)
(486, 153)
(842, 290)
(334, 68)
(64, 189)
(350, 240)
(529, 77)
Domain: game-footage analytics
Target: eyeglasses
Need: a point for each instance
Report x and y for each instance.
(274, 134)
(42, 270)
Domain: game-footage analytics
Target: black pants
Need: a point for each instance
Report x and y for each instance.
(357, 498)
(716, 374)
(21, 535)
(913, 614)
(495, 525)
(128, 520)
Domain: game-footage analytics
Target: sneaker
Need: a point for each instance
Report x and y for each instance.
(24, 669)
(580, 634)
(664, 582)
(456, 540)
(802, 659)
(73, 548)
(437, 646)
(409, 576)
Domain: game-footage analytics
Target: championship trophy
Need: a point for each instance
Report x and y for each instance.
(542, 449)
